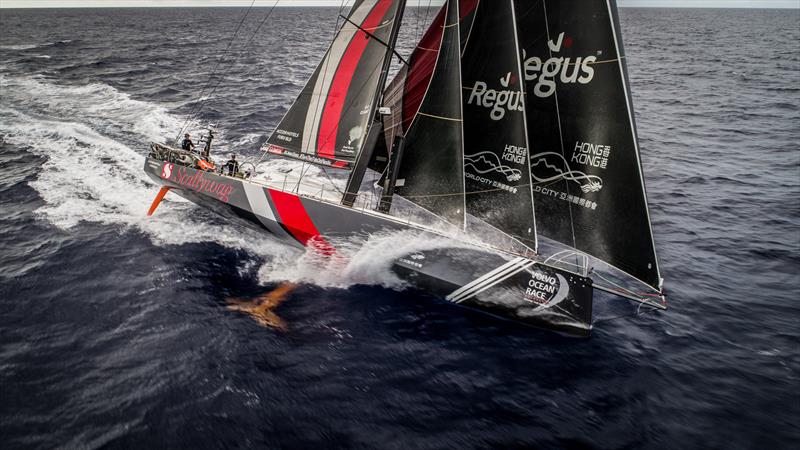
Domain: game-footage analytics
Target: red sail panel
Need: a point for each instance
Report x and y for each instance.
(328, 122)
(421, 64)
(423, 60)
(331, 116)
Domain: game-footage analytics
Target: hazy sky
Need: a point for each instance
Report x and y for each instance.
(140, 3)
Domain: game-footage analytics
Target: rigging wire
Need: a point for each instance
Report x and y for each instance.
(213, 71)
(265, 153)
(303, 169)
(420, 30)
(638, 313)
(236, 57)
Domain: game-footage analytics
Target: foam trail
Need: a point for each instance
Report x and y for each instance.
(358, 260)
(93, 173)
(95, 176)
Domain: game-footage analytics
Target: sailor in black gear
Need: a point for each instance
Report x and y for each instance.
(232, 167)
(187, 143)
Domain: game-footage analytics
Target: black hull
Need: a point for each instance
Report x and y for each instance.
(498, 283)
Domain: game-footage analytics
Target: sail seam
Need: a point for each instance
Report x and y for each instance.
(452, 119)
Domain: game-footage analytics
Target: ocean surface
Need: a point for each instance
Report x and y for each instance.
(115, 330)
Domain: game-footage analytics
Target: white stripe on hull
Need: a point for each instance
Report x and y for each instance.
(257, 198)
(490, 279)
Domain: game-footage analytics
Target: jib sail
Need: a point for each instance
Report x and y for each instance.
(432, 170)
(329, 120)
(588, 185)
(496, 163)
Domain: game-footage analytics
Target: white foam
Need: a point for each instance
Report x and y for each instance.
(32, 46)
(97, 105)
(19, 47)
(92, 176)
(95, 137)
(356, 260)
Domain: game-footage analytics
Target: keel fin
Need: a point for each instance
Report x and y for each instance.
(157, 200)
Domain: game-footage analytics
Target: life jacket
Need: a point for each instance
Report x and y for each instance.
(206, 165)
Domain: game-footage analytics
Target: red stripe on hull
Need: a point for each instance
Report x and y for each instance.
(332, 114)
(295, 219)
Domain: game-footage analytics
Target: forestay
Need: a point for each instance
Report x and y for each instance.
(329, 121)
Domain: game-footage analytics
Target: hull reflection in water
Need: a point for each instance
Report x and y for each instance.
(261, 308)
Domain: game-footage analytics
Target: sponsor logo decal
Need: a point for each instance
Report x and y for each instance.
(166, 170)
(549, 167)
(197, 182)
(546, 290)
(481, 165)
(414, 260)
(353, 139)
(594, 155)
(274, 149)
(498, 101)
(557, 68)
(287, 136)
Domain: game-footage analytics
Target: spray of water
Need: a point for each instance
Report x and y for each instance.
(94, 138)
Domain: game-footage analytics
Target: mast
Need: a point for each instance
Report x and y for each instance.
(375, 125)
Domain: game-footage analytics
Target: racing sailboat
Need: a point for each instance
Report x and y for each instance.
(507, 136)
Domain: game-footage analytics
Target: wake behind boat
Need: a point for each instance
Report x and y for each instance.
(507, 136)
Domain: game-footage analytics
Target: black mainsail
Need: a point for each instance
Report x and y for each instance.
(432, 170)
(588, 183)
(496, 162)
(329, 121)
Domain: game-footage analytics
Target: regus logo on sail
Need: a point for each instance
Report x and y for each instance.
(498, 101)
(557, 68)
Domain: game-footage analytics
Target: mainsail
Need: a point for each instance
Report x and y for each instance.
(588, 184)
(329, 121)
(496, 163)
(432, 170)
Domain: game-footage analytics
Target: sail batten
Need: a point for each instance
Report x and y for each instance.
(329, 121)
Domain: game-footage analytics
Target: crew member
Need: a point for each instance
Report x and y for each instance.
(232, 167)
(187, 143)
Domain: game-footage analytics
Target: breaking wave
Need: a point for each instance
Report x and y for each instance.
(33, 46)
(366, 260)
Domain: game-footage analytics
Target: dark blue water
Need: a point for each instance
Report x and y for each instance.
(114, 329)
